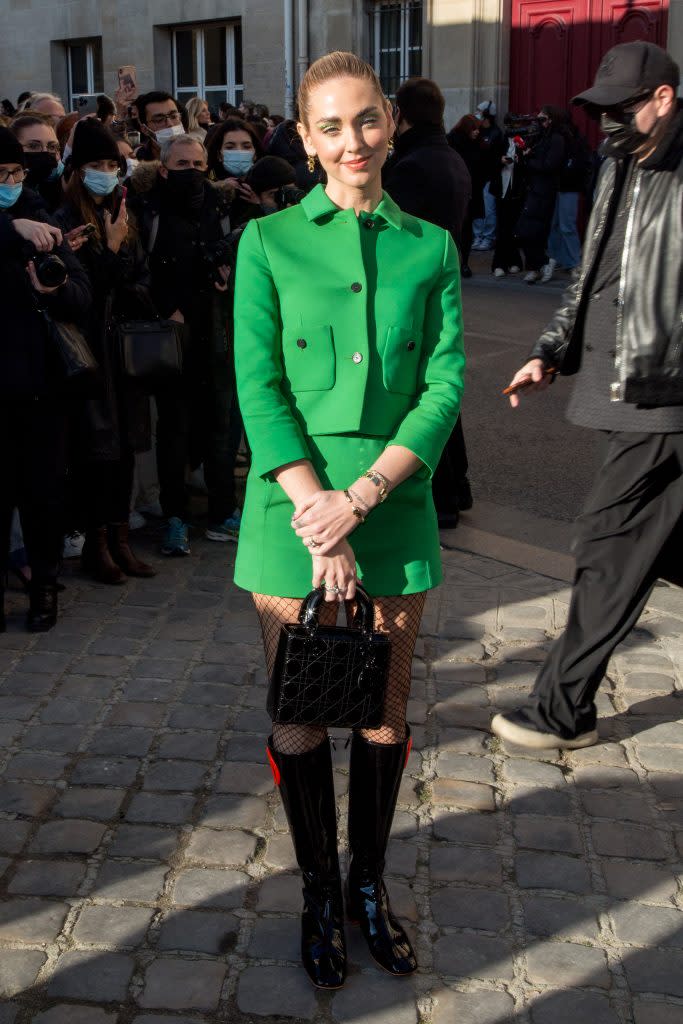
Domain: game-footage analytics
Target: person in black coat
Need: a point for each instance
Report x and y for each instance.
(464, 138)
(543, 163)
(116, 424)
(428, 179)
(33, 407)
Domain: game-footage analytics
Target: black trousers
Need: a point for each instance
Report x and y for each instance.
(33, 447)
(450, 472)
(624, 537)
(506, 253)
(197, 417)
(110, 485)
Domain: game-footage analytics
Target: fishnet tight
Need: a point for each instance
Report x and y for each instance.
(400, 617)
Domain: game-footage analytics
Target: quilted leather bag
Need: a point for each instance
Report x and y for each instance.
(330, 675)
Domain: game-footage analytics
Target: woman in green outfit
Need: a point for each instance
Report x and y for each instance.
(348, 348)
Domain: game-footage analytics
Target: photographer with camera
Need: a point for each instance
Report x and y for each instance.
(39, 274)
(115, 424)
(544, 158)
(184, 224)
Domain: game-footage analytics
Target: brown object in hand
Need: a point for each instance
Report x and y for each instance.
(511, 389)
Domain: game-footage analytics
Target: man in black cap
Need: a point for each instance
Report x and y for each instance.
(620, 330)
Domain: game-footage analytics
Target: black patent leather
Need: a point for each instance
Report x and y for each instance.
(323, 944)
(388, 943)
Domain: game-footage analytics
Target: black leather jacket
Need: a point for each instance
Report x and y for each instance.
(648, 365)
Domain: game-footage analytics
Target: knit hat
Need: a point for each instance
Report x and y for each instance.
(92, 141)
(10, 148)
(270, 172)
(486, 109)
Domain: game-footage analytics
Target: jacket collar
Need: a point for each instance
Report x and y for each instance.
(317, 204)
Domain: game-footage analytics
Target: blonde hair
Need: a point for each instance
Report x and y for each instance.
(338, 64)
(194, 108)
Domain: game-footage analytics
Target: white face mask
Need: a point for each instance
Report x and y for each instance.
(169, 133)
(131, 164)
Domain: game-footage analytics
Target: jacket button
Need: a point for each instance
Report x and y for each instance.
(410, 346)
(356, 286)
(301, 342)
(357, 357)
(369, 223)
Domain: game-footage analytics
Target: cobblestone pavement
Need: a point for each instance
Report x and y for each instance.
(145, 870)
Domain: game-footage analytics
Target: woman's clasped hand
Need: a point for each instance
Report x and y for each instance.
(323, 522)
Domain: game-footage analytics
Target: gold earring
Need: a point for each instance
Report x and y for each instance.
(391, 146)
(311, 164)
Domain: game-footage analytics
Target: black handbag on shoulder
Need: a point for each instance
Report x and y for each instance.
(149, 349)
(77, 366)
(330, 675)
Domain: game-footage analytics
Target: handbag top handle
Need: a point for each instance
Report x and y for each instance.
(364, 619)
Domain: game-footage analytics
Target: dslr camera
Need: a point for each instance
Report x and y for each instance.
(215, 255)
(50, 269)
(288, 195)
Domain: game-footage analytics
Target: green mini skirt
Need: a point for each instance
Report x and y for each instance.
(397, 548)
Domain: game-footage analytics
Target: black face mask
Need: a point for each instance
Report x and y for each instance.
(39, 166)
(187, 187)
(619, 125)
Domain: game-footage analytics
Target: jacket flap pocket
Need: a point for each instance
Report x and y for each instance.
(401, 359)
(308, 356)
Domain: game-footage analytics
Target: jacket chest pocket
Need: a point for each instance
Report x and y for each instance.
(308, 356)
(401, 359)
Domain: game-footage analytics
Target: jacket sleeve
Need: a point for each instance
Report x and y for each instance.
(428, 425)
(554, 341)
(275, 436)
(548, 159)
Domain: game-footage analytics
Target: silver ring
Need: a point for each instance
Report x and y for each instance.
(332, 590)
(313, 543)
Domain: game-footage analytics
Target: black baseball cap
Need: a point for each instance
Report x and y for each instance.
(627, 71)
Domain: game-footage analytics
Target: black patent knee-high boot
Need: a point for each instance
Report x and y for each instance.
(376, 771)
(307, 791)
(42, 613)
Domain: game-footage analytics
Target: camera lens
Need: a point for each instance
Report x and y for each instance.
(50, 270)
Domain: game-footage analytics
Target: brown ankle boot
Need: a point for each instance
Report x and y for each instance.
(96, 557)
(123, 555)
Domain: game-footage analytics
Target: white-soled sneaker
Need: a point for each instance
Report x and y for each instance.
(514, 727)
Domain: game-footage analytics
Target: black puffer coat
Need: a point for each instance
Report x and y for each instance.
(649, 343)
(542, 168)
(28, 366)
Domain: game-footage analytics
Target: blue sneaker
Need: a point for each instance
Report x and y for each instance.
(229, 530)
(176, 539)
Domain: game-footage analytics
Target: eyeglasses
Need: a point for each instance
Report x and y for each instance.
(40, 147)
(173, 117)
(16, 176)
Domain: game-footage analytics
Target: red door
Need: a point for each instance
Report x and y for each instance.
(556, 45)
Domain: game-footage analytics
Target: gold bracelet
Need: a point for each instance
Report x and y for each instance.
(362, 504)
(354, 508)
(380, 482)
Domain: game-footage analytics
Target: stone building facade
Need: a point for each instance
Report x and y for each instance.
(258, 49)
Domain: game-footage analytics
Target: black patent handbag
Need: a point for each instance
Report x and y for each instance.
(149, 349)
(330, 675)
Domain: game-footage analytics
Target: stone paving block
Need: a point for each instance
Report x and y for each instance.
(389, 1006)
(174, 776)
(559, 918)
(527, 773)
(188, 716)
(464, 767)
(67, 836)
(25, 798)
(571, 1005)
(164, 808)
(465, 864)
(55, 738)
(463, 827)
(282, 894)
(611, 754)
(280, 853)
(655, 970)
(264, 991)
(649, 682)
(552, 871)
(656, 1013)
(195, 931)
(20, 684)
(276, 938)
(71, 711)
(244, 747)
(480, 1007)
(9, 731)
(175, 984)
(568, 964)
(470, 908)
(664, 733)
(473, 956)
(31, 921)
(135, 882)
(143, 713)
(628, 807)
(114, 927)
(548, 802)
(660, 759)
(109, 741)
(615, 839)
(51, 662)
(47, 878)
(165, 669)
(543, 834)
(13, 835)
(91, 976)
(115, 645)
(462, 741)
(210, 887)
(86, 687)
(605, 777)
(70, 1013)
(17, 708)
(38, 767)
(222, 848)
(18, 970)
(102, 665)
(106, 771)
(242, 777)
(147, 841)
(193, 746)
(640, 881)
(234, 812)
(640, 925)
(147, 690)
(87, 802)
(401, 858)
(472, 795)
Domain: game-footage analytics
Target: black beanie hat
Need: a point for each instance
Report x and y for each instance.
(270, 172)
(10, 148)
(92, 141)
